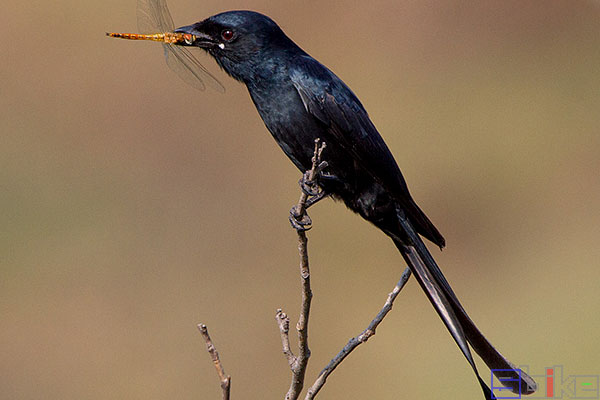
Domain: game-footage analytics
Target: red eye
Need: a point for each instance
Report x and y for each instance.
(227, 34)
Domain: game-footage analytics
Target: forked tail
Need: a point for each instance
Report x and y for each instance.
(460, 326)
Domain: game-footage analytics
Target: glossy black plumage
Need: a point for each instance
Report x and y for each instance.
(300, 100)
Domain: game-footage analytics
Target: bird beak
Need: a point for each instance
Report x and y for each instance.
(197, 38)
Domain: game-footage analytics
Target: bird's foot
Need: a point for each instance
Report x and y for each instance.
(310, 187)
(312, 200)
(312, 192)
(300, 221)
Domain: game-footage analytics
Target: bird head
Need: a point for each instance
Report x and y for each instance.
(241, 42)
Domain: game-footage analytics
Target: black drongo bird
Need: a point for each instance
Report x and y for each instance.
(301, 100)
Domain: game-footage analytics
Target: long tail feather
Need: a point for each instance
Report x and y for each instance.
(454, 316)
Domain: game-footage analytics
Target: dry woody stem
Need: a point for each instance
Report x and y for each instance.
(360, 339)
(311, 193)
(298, 363)
(214, 355)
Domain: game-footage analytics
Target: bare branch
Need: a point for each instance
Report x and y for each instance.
(358, 340)
(283, 321)
(301, 361)
(214, 355)
(300, 220)
(311, 193)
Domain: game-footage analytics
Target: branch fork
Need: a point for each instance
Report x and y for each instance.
(301, 222)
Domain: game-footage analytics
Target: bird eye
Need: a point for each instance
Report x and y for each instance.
(227, 34)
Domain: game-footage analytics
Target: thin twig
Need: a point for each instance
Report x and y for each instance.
(298, 363)
(214, 355)
(299, 366)
(283, 321)
(358, 340)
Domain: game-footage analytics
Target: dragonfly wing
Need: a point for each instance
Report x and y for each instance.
(184, 64)
(164, 16)
(153, 16)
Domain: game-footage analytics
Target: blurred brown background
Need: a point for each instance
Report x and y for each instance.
(134, 207)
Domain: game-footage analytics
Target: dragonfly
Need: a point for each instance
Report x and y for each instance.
(156, 24)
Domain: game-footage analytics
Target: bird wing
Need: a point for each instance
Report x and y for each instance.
(329, 100)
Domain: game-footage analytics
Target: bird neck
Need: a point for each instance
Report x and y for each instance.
(263, 65)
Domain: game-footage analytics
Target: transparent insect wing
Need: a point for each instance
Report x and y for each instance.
(189, 69)
(153, 16)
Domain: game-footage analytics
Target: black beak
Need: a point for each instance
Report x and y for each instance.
(198, 38)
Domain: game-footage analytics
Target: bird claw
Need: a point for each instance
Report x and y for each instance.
(312, 191)
(316, 198)
(308, 187)
(311, 187)
(300, 222)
